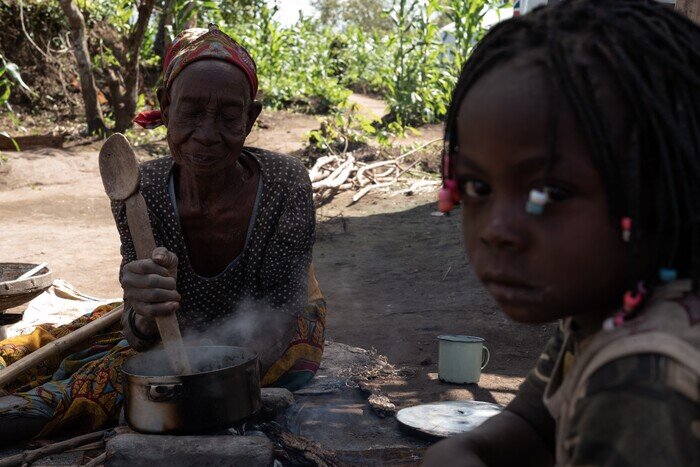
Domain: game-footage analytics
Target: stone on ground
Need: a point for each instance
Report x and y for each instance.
(274, 402)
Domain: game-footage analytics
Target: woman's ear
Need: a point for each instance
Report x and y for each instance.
(253, 112)
(164, 101)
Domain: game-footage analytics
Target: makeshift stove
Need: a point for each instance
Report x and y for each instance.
(245, 444)
(121, 446)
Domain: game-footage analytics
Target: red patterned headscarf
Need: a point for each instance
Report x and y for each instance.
(200, 44)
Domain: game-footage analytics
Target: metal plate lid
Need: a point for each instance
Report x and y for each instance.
(447, 418)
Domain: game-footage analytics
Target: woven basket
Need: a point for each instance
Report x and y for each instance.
(15, 293)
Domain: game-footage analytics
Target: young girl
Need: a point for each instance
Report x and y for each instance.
(573, 143)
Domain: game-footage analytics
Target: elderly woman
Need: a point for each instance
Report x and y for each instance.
(235, 229)
(236, 224)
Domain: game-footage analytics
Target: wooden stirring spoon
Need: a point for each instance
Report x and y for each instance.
(122, 179)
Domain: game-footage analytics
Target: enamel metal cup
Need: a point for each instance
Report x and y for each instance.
(461, 358)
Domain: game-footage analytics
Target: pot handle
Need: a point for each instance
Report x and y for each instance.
(164, 392)
(485, 356)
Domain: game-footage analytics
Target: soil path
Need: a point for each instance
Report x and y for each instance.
(394, 276)
(369, 106)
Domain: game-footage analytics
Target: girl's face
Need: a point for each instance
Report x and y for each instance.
(570, 260)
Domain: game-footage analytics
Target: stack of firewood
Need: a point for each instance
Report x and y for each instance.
(341, 172)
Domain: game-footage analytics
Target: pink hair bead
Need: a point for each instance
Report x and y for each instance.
(632, 300)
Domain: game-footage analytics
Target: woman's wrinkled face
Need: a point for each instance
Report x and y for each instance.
(209, 113)
(570, 260)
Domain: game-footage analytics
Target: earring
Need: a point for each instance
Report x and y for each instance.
(630, 302)
(536, 202)
(668, 275)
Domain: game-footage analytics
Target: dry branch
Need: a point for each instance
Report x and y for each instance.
(339, 175)
(297, 449)
(360, 194)
(99, 460)
(27, 457)
(29, 142)
(315, 172)
(333, 174)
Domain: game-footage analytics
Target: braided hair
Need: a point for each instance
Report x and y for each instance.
(651, 54)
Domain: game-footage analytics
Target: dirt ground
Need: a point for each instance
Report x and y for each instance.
(394, 276)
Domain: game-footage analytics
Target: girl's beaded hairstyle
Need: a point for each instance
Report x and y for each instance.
(651, 55)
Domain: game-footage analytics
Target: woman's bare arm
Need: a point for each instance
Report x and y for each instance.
(504, 440)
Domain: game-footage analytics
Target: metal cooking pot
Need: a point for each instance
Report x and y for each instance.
(223, 389)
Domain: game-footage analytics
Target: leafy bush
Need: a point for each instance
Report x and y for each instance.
(295, 65)
(425, 64)
(341, 130)
(363, 59)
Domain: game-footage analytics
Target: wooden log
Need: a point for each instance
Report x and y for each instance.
(384, 179)
(362, 173)
(27, 457)
(332, 175)
(338, 177)
(87, 447)
(422, 186)
(321, 162)
(361, 179)
(57, 347)
(297, 449)
(387, 173)
(29, 142)
(424, 183)
(139, 450)
(360, 194)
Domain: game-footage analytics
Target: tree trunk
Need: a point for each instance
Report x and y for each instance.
(124, 83)
(93, 112)
(162, 41)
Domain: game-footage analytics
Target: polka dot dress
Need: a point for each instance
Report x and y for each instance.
(273, 266)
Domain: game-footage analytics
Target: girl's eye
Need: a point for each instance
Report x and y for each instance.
(557, 193)
(476, 189)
